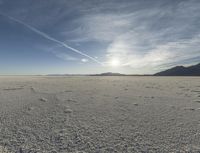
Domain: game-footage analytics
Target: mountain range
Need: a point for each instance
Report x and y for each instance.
(193, 70)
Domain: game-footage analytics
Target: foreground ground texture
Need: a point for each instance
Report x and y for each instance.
(99, 114)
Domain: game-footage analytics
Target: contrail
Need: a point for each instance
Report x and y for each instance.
(50, 38)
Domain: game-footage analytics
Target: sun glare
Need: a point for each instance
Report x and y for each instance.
(115, 62)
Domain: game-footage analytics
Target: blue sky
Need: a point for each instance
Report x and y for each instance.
(95, 36)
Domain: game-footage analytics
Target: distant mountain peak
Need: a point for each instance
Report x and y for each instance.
(109, 74)
(193, 70)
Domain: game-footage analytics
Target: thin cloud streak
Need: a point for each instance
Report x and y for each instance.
(145, 36)
(51, 38)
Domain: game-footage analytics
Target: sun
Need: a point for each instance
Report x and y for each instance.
(115, 62)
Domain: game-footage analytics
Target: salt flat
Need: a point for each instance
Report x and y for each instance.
(99, 114)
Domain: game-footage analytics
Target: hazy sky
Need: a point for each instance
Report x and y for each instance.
(94, 36)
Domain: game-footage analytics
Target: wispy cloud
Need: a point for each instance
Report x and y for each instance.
(64, 56)
(51, 38)
(84, 60)
(141, 34)
(156, 56)
(149, 37)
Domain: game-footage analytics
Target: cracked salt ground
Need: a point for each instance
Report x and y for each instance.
(58, 115)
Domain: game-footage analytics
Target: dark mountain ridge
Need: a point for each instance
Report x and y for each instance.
(193, 70)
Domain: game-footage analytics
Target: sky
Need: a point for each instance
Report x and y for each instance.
(96, 36)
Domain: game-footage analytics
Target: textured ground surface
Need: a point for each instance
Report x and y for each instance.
(99, 114)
